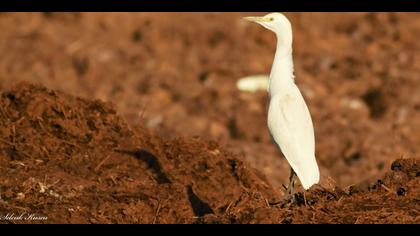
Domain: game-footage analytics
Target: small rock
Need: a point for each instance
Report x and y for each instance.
(20, 196)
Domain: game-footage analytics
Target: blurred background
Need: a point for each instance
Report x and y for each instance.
(177, 74)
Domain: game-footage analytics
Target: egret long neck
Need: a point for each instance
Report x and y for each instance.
(281, 75)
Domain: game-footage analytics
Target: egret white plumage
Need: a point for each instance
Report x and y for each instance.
(289, 120)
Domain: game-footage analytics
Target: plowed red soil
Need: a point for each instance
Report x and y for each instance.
(135, 118)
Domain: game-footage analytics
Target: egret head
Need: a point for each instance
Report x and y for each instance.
(276, 22)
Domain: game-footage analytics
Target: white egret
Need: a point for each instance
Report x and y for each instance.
(289, 120)
(253, 83)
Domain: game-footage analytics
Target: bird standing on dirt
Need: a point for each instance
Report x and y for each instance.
(289, 120)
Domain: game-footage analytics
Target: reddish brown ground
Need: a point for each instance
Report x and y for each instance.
(181, 144)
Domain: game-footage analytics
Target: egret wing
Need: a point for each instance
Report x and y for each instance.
(291, 126)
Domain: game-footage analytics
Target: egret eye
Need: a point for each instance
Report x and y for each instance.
(271, 19)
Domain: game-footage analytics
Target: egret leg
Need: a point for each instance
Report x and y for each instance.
(290, 189)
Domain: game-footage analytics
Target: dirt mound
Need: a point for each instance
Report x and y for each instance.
(393, 199)
(76, 161)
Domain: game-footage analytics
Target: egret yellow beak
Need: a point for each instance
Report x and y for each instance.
(258, 19)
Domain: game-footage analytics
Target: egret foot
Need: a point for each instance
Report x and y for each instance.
(290, 195)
